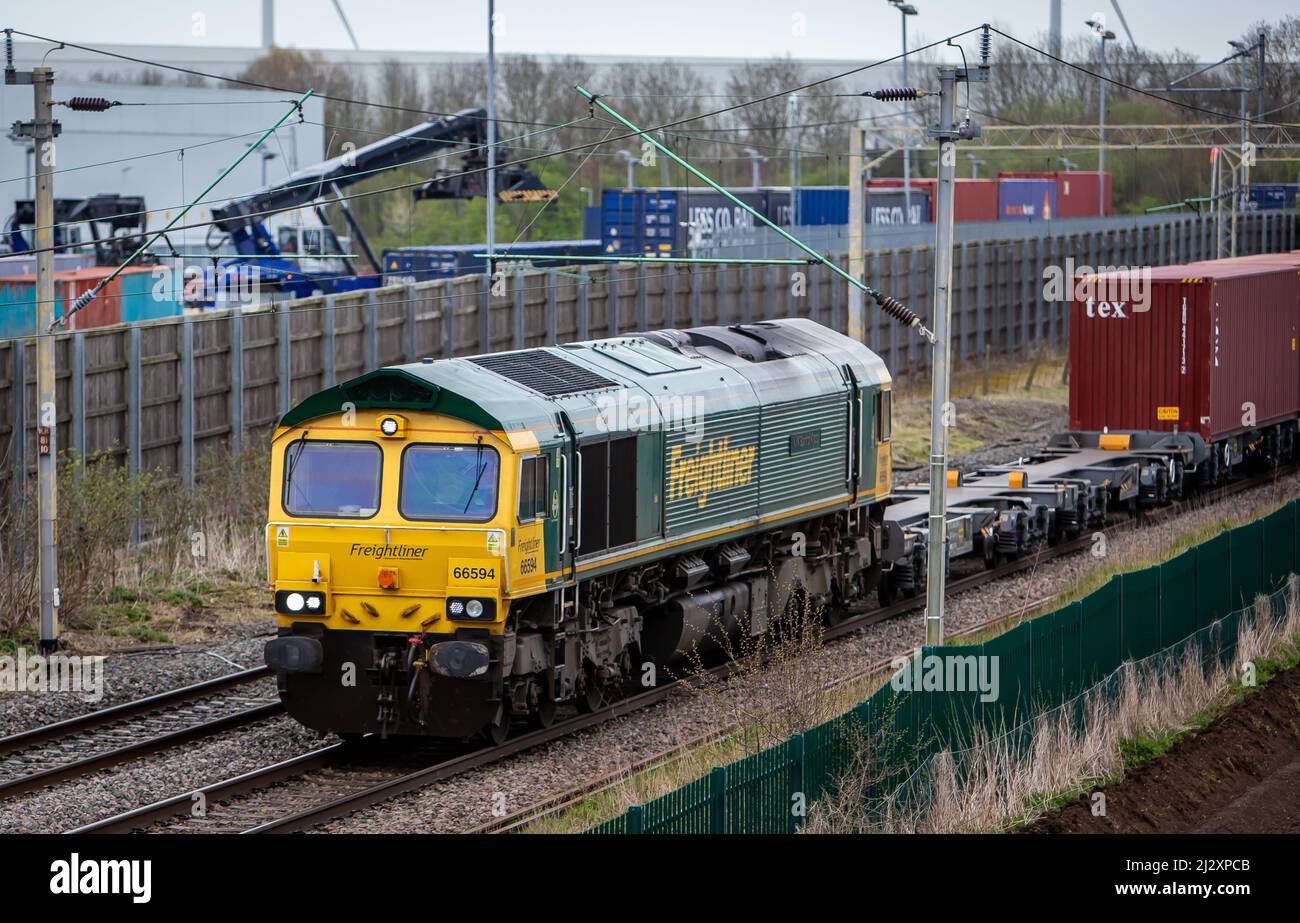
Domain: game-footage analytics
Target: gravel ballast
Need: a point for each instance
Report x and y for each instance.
(132, 676)
(514, 783)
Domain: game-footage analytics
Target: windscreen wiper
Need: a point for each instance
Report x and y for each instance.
(478, 478)
(293, 460)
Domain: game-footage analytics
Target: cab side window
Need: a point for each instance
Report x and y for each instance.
(534, 488)
(884, 414)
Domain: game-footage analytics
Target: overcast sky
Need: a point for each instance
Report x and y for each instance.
(841, 29)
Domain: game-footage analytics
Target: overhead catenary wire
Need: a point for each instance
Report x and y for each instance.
(533, 220)
(526, 160)
(250, 83)
(88, 296)
(1226, 116)
(456, 150)
(891, 306)
(161, 153)
(388, 106)
(464, 148)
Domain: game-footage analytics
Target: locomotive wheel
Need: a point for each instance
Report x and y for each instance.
(544, 716)
(990, 552)
(592, 699)
(499, 730)
(594, 695)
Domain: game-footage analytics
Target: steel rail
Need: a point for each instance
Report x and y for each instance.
(104, 716)
(32, 781)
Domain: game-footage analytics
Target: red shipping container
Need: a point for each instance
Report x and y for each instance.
(105, 308)
(1076, 194)
(1291, 259)
(1214, 352)
(1076, 190)
(973, 199)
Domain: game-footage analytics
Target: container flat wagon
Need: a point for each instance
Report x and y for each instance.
(1179, 375)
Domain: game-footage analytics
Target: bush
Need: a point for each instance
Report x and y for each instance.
(124, 538)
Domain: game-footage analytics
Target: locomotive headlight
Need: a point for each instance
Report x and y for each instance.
(300, 602)
(392, 426)
(469, 609)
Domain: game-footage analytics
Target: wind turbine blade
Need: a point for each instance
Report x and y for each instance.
(1122, 21)
(343, 16)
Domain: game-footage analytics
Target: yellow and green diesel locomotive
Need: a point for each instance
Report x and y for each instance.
(456, 545)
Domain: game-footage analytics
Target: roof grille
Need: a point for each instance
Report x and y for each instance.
(543, 372)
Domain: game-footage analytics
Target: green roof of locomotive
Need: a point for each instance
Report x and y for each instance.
(721, 367)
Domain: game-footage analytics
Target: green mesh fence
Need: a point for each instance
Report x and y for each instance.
(1046, 667)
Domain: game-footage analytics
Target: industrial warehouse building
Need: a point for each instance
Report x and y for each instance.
(192, 133)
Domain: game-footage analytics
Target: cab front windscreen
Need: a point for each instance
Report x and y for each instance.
(332, 479)
(449, 483)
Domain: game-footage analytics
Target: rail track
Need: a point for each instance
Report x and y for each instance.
(65, 750)
(337, 780)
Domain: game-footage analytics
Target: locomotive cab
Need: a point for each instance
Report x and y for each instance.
(395, 542)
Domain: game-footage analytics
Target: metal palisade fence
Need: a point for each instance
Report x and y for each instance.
(1193, 602)
(163, 393)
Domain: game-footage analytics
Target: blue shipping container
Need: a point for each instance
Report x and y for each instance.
(18, 307)
(420, 264)
(1269, 196)
(591, 222)
(890, 206)
(138, 293)
(1026, 199)
(823, 205)
(668, 222)
(144, 298)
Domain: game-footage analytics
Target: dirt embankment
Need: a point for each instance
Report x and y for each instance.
(1239, 775)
